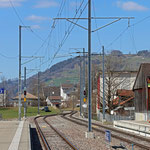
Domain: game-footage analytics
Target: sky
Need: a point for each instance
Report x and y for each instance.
(46, 41)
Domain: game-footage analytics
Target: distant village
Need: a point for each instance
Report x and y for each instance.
(127, 94)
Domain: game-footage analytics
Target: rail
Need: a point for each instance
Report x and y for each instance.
(113, 135)
(45, 143)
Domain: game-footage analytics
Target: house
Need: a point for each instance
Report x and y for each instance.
(54, 101)
(114, 80)
(141, 90)
(123, 104)
(32, 100)
(51, 91)
(66, 90)
(53, 96)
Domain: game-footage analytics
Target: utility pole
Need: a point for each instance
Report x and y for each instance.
(89, 67)
(38, 93)
(103, 83)
(25, 88)
(89, 134)
(19, 85)
(82, 76)
(81, 86)
(84, 68)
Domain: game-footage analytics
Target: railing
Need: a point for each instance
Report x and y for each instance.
(110, 118)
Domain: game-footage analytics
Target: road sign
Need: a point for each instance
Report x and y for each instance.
(108, 136)
(2, 91)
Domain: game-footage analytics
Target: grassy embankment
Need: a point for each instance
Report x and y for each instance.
(10, 113)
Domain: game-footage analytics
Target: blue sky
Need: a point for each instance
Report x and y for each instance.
(43, 40)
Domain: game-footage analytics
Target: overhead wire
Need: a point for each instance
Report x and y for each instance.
(8, 57)
(69, 31)
(39, 37)
(140, 21)
(55, 22)
(121, 34)
(96, 25)
(70, 28)
(131, 32)
(47, 40)
(132, 25)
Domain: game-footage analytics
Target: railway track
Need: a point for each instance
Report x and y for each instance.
(128, 137)
(52, 138)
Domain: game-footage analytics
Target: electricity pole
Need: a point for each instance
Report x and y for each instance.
(89, 18)
(19, 85)
(89, 67)
(25, 92)
(103, 83)
(82, 76)
(81, 86)
(38, 93)
(84, 68)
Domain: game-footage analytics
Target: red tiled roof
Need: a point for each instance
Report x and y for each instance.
(116, 101)
(67, 85)
(28, 96)
(127, 93)
(54, 97)
(126, 100)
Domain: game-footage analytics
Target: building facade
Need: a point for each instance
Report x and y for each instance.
(141, 90)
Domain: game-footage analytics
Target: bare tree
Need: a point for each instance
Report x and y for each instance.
(114, 79)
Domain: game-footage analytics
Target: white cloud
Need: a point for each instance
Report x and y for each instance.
(35, 27)
(131, 6)
(46, 4)
(7, 3)
(37, 18)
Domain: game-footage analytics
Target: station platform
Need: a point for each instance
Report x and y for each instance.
(14, 135)
(138, 127)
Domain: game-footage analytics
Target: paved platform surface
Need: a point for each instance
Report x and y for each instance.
(14, 135)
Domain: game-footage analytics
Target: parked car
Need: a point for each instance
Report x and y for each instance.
(77, 105)
(46, 109)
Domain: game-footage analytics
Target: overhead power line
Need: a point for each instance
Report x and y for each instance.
(21, 21)
(140, 21)
(8, 57)
(70, 28)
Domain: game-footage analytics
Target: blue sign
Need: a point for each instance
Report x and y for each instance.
(2, 91)
(108, 136)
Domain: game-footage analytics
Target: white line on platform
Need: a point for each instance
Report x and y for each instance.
(15, 142)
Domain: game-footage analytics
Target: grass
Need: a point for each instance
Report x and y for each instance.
(12, 113)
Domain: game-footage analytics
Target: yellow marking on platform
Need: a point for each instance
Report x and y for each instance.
(44, 126)
(94, 126)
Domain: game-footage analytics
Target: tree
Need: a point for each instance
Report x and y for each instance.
(114, 79)
(144, 53)
(116, 53)
(32, 87)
